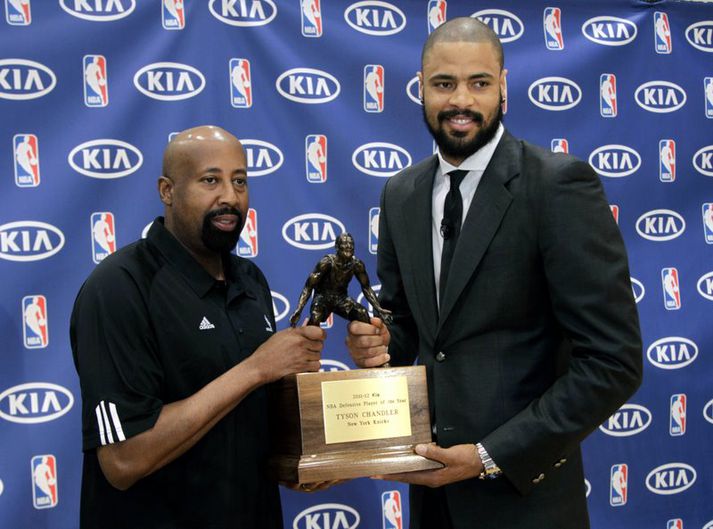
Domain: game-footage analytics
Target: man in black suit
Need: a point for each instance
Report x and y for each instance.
(508, 280)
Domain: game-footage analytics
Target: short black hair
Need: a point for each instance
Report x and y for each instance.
(464, 29)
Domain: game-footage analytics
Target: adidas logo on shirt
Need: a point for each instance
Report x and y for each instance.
(205, 325)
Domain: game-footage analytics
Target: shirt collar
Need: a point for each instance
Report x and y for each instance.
(174, 252)
(477, 161)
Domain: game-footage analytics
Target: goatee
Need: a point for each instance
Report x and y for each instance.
(456, 145)
(217, 240)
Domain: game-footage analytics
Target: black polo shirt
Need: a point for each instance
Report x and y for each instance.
(149, 327)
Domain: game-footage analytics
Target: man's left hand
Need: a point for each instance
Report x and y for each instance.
(460, 462)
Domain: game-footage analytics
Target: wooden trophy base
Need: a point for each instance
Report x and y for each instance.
(348, 424)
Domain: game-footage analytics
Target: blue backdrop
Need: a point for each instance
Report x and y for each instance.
(324, 96)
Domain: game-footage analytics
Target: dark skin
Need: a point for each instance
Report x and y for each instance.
(329, 282)
(207, 171)
(462, 69)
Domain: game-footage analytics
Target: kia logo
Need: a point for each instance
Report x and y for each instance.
(35, 402)
(628, 420)
(312, 231)
(105, 158)
(169, 81)
(703, 160)
(555, 93)
(672, 352)
(327, 516)
(637, 288)
(660, 225)
(243, 13)
(307, 85)
(332, 365)
(29, 240)
(700, 35)
(375, 18)
(380, 159)
(660, 96)
(99, 10)
(280, 305)
(671, 478)
(263, 158)
(507, 26)
(23, 79)
(615, 161)
(609, 31)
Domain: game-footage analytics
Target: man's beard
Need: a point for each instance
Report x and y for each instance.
(459, 147)
(217, 240)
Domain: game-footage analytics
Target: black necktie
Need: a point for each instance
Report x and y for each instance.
(450, 225)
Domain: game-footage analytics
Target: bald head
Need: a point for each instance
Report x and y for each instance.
(464, 29)
(182, 149)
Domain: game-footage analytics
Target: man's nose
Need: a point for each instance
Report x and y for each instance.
(461, 97)
(229, 194)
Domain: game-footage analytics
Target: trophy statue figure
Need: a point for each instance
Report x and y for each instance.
(329, 281)
(336, 425)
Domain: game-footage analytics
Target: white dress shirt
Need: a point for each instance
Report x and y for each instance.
(475, 164)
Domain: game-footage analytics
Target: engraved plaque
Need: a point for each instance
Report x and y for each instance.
(365, 408)
(348, 424)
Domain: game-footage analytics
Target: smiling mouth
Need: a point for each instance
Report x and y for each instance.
(225, 222)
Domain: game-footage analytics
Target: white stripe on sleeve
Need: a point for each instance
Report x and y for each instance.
(117, 422)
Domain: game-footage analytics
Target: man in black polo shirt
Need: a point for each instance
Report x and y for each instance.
(173, 339)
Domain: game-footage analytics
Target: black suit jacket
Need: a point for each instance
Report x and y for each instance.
(538, 328)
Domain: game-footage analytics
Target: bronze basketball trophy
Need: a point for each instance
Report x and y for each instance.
(347, 424)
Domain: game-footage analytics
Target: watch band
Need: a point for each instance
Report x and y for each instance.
(490, 469)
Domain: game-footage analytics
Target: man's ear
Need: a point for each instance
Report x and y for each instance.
(420, 85)
(165, 190)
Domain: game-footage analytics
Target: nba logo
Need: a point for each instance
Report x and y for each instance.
(392, 517)
(103, 235)
(34, 322)
(618, 485)
(44, 482)
(373, 88)
(607, 95)
(241, 92)
(247, 244)
(311, 18)
(677, 422)
(327, 324)
(615, 212)
(552, 21)
(173, 14)
(436, 14)
(708, 90)
(27, 160)
(708, 221)
(96, 89)
(316, 158)
(559, 145)
(667, 160)
(374, 229)
(676, 523)
(671, 289)
(18, 13)
(662, 33)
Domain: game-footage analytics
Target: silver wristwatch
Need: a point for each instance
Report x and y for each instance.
(490, 469)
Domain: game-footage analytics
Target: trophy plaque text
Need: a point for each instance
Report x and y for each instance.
(348, 424)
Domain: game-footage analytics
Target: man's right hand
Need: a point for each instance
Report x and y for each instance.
(294, 350)
(368, 343)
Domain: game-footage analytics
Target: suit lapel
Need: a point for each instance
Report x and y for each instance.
(487, 209)
(416, 225)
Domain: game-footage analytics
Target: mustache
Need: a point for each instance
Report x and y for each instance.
(224, 211)
(448, 114)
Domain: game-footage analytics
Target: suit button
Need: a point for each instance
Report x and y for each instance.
(558, 464)
(441, 356)
(563, 460)
(538, 479)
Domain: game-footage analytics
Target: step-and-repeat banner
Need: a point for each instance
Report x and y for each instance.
(324, 95)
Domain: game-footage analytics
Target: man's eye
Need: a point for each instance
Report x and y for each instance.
(209, 179)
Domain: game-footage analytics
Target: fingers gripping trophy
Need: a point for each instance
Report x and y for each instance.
(329, 281)
(346, 424)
